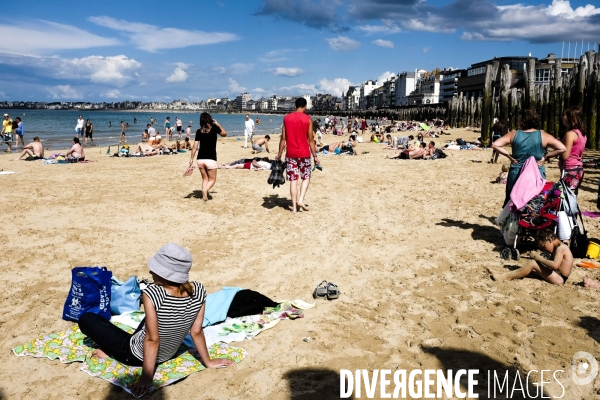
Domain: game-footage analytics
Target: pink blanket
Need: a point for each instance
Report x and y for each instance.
(529, 184)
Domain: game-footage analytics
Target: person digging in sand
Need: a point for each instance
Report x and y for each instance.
(555, 270)
(174, 307)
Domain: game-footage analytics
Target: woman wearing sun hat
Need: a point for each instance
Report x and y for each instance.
(174, 307)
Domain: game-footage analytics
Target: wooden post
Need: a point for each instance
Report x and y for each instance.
(593, 83)
(581, 81)
(505, 82)
(529, 73)
(491, 71)
(556, 100)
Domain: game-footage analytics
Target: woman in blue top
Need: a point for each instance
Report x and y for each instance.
(174, 307)
(526, 142)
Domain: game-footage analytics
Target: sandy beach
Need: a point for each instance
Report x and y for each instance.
(407, 242)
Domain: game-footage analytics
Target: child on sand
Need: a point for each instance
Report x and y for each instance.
(555, 270)
(502, 178)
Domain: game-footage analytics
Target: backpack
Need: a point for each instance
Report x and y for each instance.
(461, 142)
(15, 124)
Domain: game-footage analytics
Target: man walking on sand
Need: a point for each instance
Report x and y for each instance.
(297, 139)
(248, 130)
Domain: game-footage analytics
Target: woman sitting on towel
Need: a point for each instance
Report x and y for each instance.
(174, 307)
(529, 141)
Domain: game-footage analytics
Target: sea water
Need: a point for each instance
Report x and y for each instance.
(56, 128)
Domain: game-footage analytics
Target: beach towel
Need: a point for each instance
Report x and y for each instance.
(73, 346)
(591, 214)
(217, 305)
(528, 184)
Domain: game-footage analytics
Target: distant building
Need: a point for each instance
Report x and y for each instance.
(471, 86)
(351, 99)
(427, 90)
(365, 89)
(241, 100)
(449, 83)
(544, 67)
(405, 85)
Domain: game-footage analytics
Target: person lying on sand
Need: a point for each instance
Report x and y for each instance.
(414, 154)
(149, 149)
(243, 161)
(555, 270)
(34, 150)
(174, 306)
(348, 146)
(255, 165)
(429, 150)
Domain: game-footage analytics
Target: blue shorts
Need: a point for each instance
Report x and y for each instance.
(79, 131)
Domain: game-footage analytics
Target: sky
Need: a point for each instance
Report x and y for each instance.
(109, 50)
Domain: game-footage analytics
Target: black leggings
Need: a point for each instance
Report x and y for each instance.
(111, 339)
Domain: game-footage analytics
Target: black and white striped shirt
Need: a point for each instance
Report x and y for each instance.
(175, 318)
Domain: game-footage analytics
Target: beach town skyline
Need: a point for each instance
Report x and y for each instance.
(120, 51)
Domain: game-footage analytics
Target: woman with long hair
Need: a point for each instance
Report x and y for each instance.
(205, 144)
(570, 164)
(526, 142)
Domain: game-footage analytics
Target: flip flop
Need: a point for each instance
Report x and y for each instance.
(332, 291)
(189, 170)
(321, 291)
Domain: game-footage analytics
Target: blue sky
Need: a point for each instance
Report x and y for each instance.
(110, 50)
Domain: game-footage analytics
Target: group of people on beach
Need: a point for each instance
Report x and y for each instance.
(555, 263)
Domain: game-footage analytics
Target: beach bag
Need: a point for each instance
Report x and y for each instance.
(124, 296)
(461, 142)
(579, 242)
(90, 292)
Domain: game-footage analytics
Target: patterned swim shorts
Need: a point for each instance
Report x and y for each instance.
(297, 167)
(573, 178)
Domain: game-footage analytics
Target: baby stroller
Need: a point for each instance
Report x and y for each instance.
(541, 212)
(519, 227)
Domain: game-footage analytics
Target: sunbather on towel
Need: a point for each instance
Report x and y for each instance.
(76, 151)
(173, 305)
(255, 165)
(415, 154)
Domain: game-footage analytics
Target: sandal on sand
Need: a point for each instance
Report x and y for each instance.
(321, 290)
(332, 291)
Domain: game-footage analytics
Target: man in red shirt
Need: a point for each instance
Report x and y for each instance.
(298, 140)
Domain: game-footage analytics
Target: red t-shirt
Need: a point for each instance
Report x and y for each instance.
(296, 135)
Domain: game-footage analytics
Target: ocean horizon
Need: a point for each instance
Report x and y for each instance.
(56, 128)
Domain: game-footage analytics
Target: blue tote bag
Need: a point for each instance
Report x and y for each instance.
(90, 292)
(125, 296)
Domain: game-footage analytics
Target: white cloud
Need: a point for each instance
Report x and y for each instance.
(563, 8)
(112, 70)
(426, 49)
(299, 89)
(388, 28)
(2, 95)
(281, 71)
(241, 68)
(46, 37)
(152, 38)
(235, 87)
(343, 43)
(234, 69)
(258, 90)
(384, 77)
(65, 92)
(335, 87)
(179, 75)
(383, 43)
(112, 94)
